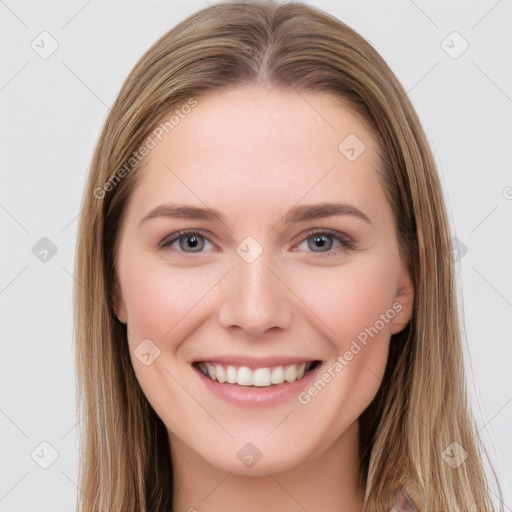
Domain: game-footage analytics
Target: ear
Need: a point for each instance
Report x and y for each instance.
(403, 303)
(118, 304)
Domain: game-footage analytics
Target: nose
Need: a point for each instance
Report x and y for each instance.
(254, 299)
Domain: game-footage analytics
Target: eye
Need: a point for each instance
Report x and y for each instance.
(325, 241)
(188, 241)
(321, 242)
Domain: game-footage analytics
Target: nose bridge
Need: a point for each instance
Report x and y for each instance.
(254, 299)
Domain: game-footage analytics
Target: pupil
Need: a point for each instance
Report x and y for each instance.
(191, 243)
(320, 242)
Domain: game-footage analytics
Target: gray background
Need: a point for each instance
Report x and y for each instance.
(51, 113)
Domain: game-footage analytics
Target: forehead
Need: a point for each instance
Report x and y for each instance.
(253, 149)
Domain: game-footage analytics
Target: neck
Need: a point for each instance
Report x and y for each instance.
(329, 482)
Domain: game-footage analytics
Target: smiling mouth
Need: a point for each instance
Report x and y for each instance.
(255, 377)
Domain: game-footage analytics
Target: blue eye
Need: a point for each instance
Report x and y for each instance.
(321, 242)
(188, 241)
(326, 242)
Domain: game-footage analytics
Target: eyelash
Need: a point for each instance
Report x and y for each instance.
(344, 241)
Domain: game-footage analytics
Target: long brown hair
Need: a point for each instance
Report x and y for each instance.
(421, 407)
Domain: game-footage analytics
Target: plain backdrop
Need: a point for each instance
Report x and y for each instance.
(52, 109)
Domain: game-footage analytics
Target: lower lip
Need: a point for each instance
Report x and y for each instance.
(251, 396)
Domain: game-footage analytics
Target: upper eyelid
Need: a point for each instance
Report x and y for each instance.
(171, 238)
(325, 231)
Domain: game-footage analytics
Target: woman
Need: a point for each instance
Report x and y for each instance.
(267, 316)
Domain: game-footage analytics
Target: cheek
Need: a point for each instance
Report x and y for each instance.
(355, 303)
(350, 299)
(164, 305)
(161, 300)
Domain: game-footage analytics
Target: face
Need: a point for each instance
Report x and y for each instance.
(259, 248)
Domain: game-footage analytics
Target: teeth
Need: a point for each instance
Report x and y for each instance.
(290, 373)
(244, 376)
(277, 376)
(220, 373)
(259, 377)
(211, 371)
(231, 374)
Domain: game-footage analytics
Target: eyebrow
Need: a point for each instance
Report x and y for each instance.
(321, 210)
(300, 213)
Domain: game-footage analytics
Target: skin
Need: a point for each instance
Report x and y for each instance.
(252, 153)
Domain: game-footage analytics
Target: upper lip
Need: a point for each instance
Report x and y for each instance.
(254, 362)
